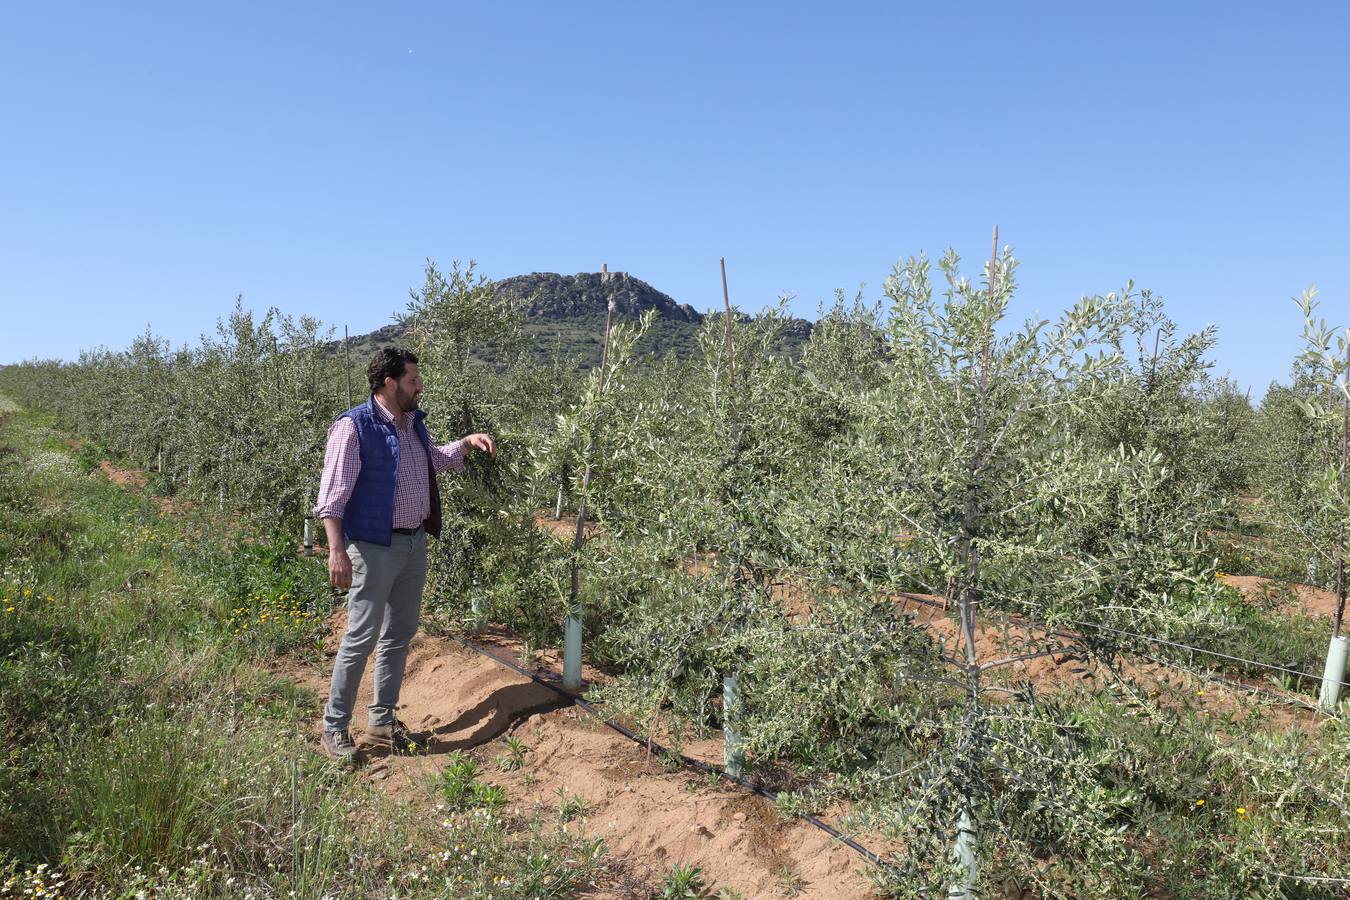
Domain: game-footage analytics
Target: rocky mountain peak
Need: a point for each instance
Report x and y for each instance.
(548, 295)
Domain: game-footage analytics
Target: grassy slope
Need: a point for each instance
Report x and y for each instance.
(144, 745)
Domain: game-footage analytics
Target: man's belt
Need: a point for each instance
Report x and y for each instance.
(408, 530)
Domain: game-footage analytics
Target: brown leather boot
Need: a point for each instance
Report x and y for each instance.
(397, 736)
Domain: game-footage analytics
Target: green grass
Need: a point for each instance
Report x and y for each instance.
(145, 747)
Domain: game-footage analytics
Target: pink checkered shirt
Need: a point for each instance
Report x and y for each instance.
(412, 498)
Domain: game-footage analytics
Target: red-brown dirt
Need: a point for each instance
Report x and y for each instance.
(136, 480)
(125, 477)
(999, 637)
(651, 819)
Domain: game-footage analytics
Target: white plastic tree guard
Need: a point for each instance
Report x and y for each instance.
(733, 755)
(572, 653)
(1334, 673)
(967, 879)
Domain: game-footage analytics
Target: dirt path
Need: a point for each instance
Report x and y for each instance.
(136, 481)
(651, 819)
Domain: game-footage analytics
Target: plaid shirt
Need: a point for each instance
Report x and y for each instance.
(412, 499)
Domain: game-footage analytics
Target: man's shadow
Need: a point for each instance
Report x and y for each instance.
(496, 714)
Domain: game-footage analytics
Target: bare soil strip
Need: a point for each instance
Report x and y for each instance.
(650, 818)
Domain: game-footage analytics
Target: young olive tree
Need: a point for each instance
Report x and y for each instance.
(974, 474)
(1326, 359)
(1298, 445)
(491, 564)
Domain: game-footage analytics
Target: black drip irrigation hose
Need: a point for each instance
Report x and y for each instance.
(688, 761)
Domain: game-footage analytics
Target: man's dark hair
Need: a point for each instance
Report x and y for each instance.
(388, 362)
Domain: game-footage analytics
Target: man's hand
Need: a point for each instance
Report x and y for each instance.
(340, 568)
(339, 563)
(481, 441)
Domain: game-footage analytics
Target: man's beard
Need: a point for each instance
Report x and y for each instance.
(406, 401)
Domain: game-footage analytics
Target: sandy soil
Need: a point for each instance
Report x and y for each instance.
(650, 819)
(999, 637)
(564, 529)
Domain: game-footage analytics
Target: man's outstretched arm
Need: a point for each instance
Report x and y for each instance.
(451, 455)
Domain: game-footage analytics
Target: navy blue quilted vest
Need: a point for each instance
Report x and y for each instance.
(370, 509)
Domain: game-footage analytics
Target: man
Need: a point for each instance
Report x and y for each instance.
(378, 500)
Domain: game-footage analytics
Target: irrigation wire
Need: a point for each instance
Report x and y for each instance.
(1210, 676)
(1051, 632)
(706, 768)
(1259, 691)
(1157, 640)
(1265, 693)
(917, 598)
(909, 597)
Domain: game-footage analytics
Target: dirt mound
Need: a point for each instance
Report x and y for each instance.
(650, 818)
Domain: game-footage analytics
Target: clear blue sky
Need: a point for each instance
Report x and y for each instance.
(160, 158)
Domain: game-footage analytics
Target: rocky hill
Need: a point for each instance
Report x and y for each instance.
(551, 296)
(565, 314)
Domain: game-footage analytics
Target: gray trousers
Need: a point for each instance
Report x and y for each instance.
(383, 608)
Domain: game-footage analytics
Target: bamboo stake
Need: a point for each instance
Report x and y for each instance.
(572, 627)
(969, 601)
(347, 352)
